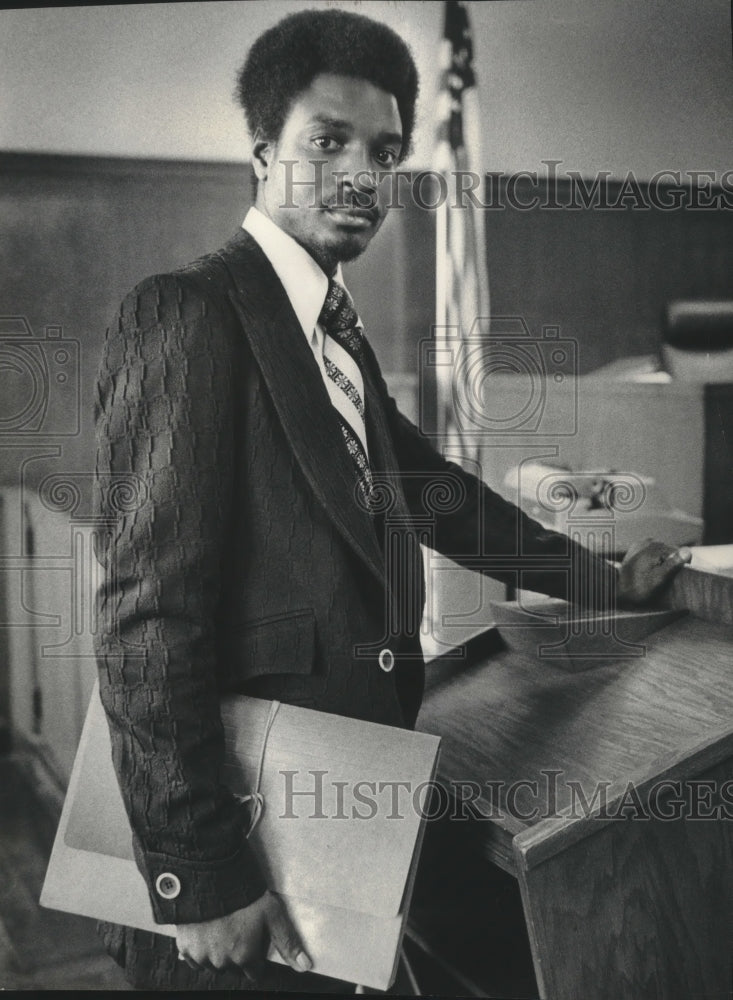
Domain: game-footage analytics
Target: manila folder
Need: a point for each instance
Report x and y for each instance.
(339, 836)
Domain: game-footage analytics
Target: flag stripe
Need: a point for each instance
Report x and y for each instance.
(462, 286)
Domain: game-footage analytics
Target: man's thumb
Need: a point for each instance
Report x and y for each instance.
(285, 938)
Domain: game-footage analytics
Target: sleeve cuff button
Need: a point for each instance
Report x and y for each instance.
(386, 660)
(168, 885)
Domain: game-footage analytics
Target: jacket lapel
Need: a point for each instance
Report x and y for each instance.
(405, 572)
(298, 394)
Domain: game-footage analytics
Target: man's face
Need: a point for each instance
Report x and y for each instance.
(333, 209)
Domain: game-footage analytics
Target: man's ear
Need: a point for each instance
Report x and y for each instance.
(262, 152)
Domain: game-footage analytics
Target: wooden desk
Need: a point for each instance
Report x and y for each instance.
(615, 907)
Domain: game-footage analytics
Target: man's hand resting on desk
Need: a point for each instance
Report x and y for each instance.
(240, 939)
(646, 568)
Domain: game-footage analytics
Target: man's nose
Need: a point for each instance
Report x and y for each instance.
(358, 170)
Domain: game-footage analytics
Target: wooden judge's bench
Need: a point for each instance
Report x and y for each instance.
(607, 794)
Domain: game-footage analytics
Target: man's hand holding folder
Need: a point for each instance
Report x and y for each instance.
(240, 939)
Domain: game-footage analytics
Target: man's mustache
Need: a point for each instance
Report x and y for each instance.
(362, 200)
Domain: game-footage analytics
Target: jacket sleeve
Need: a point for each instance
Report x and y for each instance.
(165, 416)
(481, 530)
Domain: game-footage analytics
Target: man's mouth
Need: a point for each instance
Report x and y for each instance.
(353, 215)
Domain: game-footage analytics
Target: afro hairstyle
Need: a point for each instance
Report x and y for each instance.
(284, 61)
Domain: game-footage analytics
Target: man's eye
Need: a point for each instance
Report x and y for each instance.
(326, 142)
(386, 157)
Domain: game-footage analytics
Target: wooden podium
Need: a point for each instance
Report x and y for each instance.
(632, 901)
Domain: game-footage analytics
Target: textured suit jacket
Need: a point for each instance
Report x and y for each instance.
(248, 565)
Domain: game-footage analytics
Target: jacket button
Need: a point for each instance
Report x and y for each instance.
(386, 660)
(168, 885)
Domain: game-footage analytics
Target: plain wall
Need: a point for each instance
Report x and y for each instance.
(617, 85)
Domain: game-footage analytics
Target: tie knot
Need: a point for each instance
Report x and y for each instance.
(338, 313)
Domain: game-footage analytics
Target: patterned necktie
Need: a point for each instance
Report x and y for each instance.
(343, 359)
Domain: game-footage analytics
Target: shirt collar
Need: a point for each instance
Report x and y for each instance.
(305, 283)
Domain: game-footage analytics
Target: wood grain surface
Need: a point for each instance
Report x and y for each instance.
(513, 718)
(572, 640)
(637, 908)
(671, 778)
(707, 595)
(640, 910)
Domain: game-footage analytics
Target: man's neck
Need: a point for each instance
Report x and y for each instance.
(326, 262)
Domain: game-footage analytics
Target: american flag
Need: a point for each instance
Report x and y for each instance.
(462, 283)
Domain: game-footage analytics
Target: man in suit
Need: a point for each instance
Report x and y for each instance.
(242, 392)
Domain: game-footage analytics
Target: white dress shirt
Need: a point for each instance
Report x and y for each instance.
(304, 282)
(306, 285)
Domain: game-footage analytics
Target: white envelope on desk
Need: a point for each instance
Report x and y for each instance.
(339, 836)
